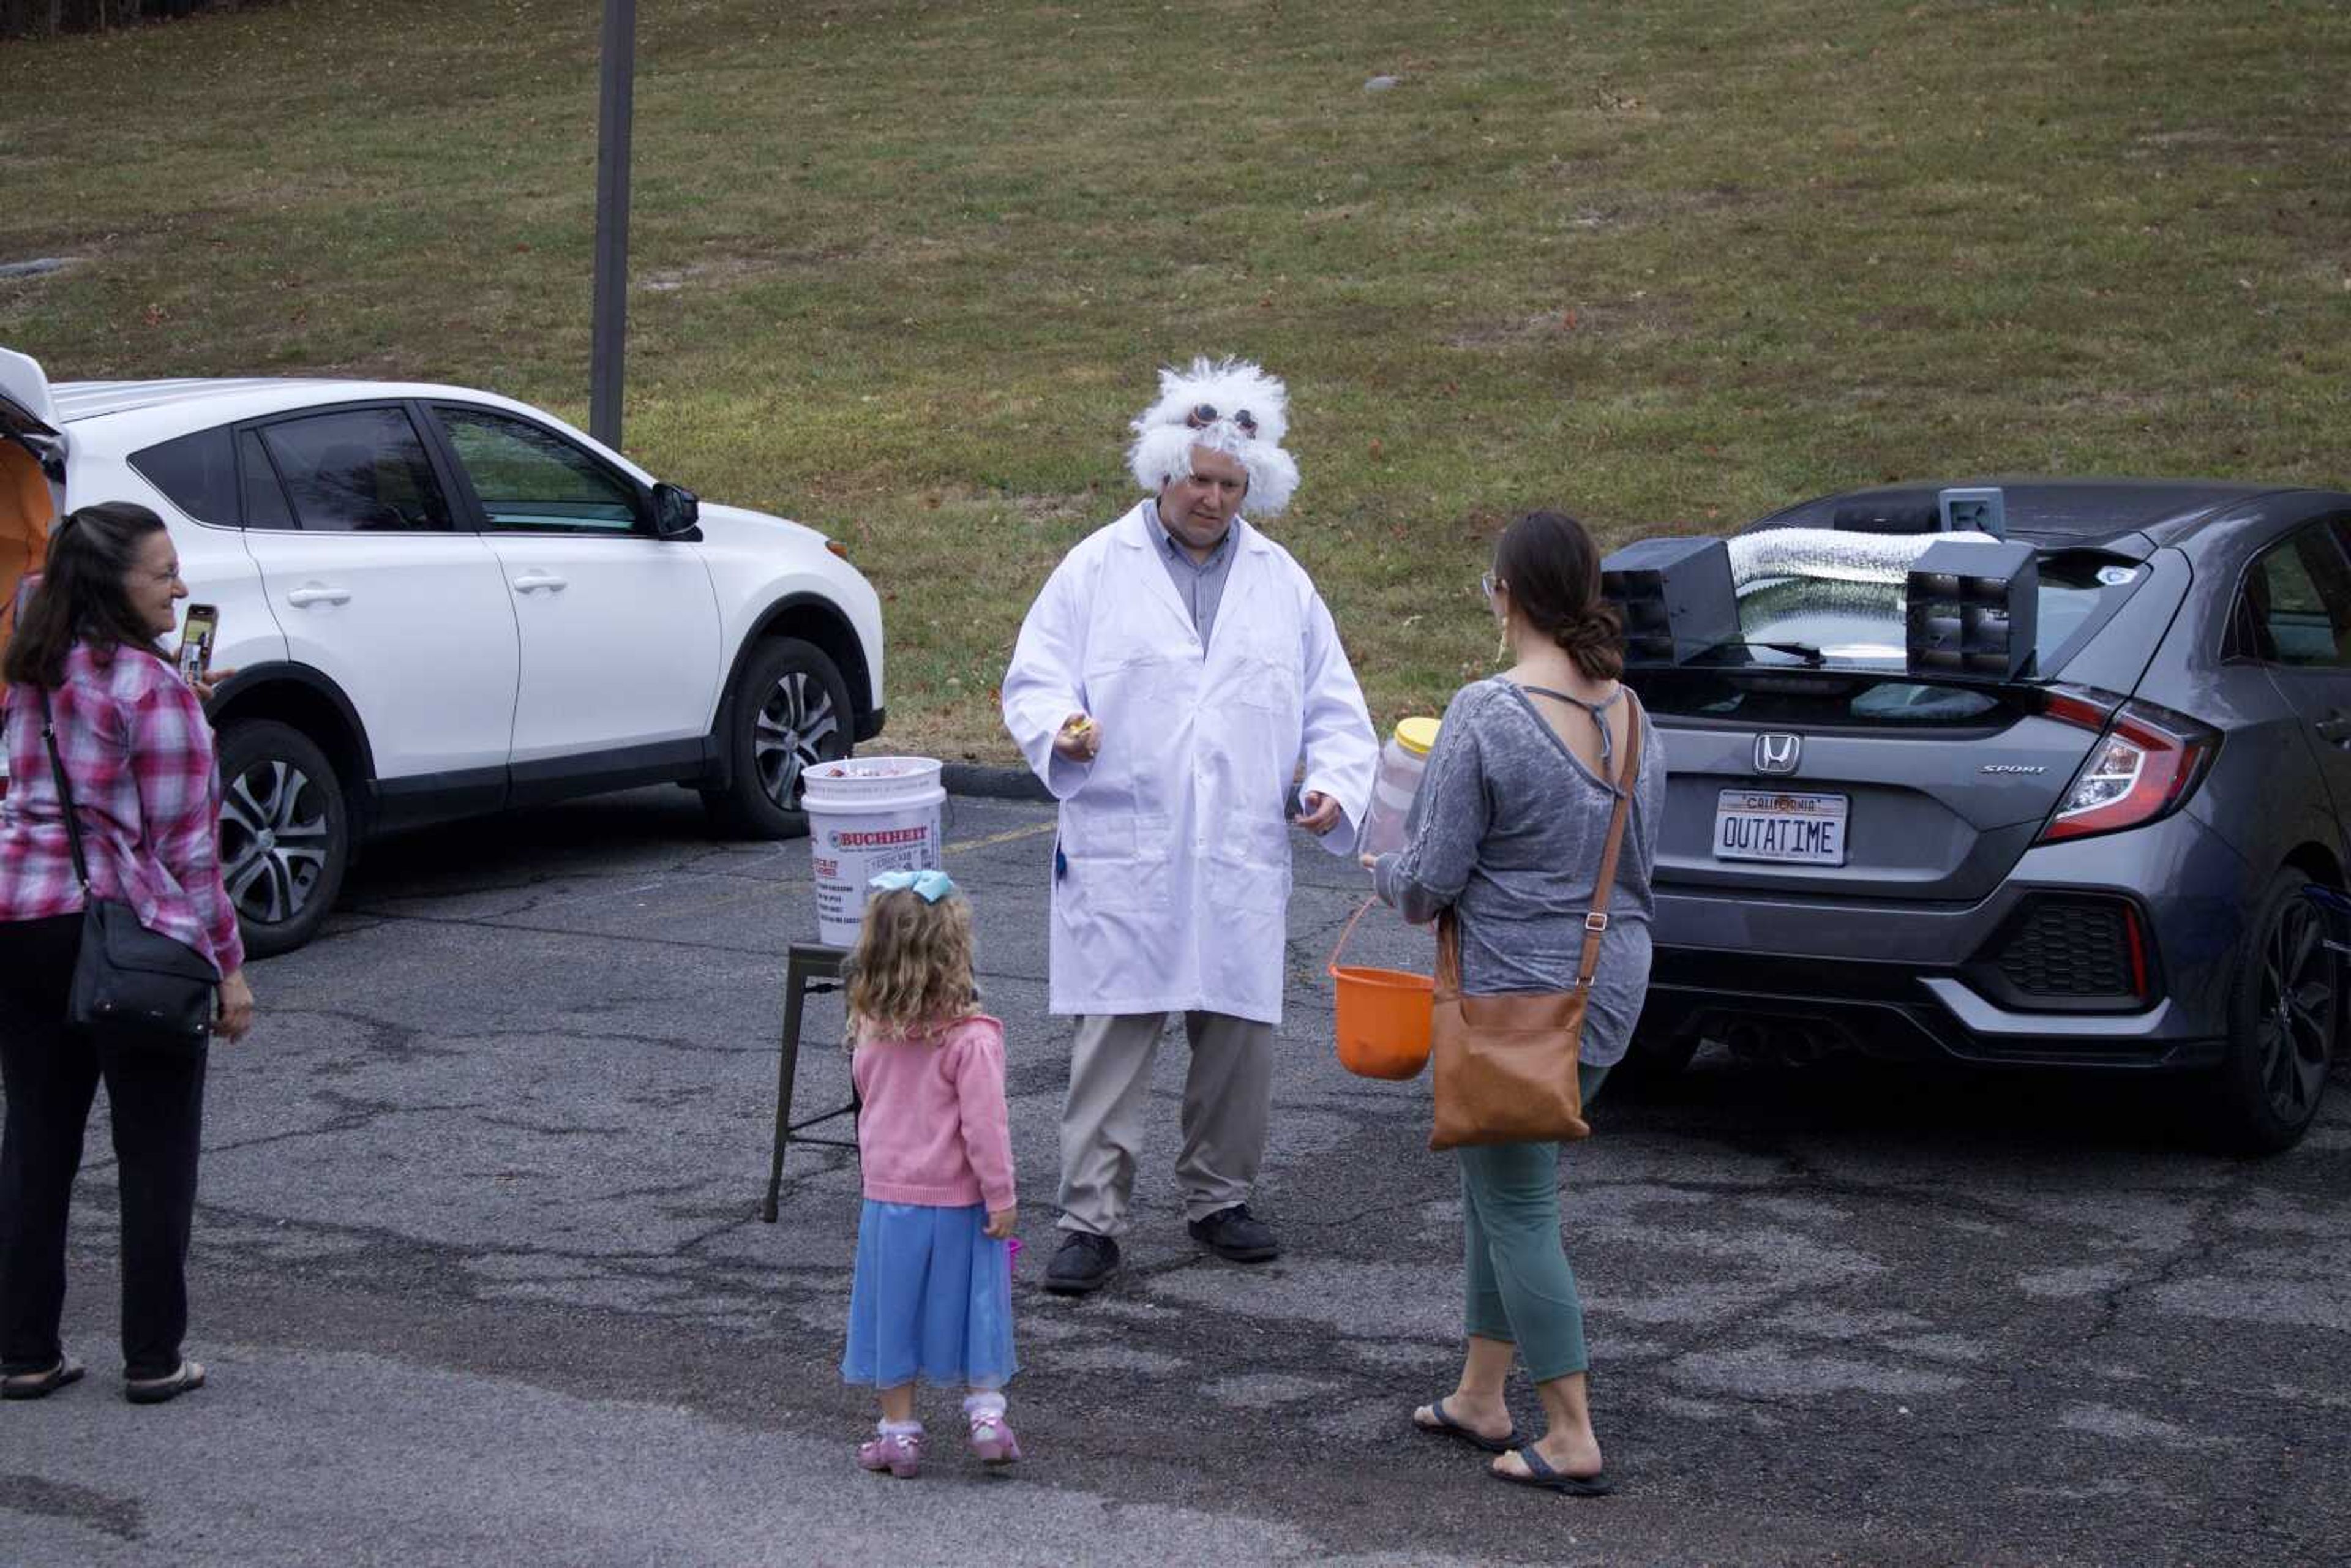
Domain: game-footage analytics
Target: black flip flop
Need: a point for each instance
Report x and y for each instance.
(1539, 1474)
(41, 1385)
(1446, 1426)
(155, 1390)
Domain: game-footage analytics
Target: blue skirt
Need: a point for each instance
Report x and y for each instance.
(932, 1300)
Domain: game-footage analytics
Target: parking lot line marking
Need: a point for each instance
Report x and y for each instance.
(1008, 836)
(764, 890)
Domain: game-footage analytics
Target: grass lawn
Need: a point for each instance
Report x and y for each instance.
(903, 271)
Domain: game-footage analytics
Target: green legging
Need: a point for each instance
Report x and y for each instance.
(1521, 1289)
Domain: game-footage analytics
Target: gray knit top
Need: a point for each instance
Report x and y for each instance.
(1507, 831)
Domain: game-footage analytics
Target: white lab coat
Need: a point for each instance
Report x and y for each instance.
(1172, 887)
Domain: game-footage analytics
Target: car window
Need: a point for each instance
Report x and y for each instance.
(2297, 602)
(264, 499)
(197, 474)
(1862, 622)
(530, 478)
(356, 468)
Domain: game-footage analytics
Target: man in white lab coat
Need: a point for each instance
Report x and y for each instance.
(1169, 680)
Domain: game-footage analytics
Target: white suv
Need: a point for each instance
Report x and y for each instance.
(440, 602)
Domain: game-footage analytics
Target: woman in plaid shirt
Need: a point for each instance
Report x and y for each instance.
(137, 754)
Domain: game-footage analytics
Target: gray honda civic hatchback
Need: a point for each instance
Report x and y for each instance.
(2088, 815)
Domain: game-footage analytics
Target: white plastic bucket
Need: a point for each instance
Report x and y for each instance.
(868, 815)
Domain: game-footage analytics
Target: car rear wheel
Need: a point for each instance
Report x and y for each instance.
(2284, 1015)
(787, 711)
(285, 834)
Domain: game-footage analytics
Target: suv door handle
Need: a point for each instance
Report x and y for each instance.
(2335, 729)
(531, 581)
(318, 594)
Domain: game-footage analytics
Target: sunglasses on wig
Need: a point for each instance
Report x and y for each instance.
(1205, 414)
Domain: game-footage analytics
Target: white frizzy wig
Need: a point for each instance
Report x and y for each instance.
(1250, 417)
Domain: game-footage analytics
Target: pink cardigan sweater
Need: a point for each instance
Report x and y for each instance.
(934, 1128)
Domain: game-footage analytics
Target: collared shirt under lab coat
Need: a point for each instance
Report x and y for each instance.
(1176, 839)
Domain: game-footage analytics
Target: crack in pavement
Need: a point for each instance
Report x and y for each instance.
(2207, 1243)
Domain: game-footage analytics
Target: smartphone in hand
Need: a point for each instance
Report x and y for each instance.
(197, 635)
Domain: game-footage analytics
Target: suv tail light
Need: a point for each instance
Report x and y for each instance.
(2145, 762)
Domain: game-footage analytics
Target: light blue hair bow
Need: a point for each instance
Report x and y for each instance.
(930, 886)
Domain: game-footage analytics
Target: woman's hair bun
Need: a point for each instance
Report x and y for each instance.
(1553, 568)
(1596, 640)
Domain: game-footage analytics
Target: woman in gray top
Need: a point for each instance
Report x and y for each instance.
(1507, 832)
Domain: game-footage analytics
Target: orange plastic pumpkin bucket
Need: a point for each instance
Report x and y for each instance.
(1384, 1015)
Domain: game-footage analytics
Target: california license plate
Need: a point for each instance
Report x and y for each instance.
(1773, 825)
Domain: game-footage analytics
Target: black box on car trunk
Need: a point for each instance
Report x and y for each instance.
(1675, 596)
(1969, 609)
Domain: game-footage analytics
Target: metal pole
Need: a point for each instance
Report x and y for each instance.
(611, 304)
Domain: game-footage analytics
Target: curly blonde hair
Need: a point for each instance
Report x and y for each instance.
(910, 973)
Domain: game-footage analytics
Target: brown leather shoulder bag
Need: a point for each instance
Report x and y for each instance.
(1506, 1064)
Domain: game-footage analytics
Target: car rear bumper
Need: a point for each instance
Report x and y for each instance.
(1904, 1016)
(1917, 981)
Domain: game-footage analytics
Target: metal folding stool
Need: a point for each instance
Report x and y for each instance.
(810, 968)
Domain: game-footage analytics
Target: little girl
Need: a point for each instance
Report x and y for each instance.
(933, 1296)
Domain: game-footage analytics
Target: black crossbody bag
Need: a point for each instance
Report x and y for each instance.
(131, 986)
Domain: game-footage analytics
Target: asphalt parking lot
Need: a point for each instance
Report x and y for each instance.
(480, 1279)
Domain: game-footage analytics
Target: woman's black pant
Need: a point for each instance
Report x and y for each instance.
(50, 1072)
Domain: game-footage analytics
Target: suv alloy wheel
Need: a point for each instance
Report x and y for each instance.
(285, 833)
(787, 710)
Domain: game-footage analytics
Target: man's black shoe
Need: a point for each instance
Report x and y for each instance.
(1084, 1264)
(1236, 1234)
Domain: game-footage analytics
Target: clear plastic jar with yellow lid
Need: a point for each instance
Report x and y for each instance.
(1402, 761)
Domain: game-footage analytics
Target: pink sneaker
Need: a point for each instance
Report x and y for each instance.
(900, 1453)
(991, 1440)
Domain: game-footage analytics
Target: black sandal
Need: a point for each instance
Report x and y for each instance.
(155, 1390)
(41, 1385)
(1445, 1425)
(1539, 1474)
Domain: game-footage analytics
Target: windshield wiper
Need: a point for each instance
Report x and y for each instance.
(1804, 651)
(1811, 656)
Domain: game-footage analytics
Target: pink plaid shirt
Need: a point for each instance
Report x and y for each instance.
(138, 756)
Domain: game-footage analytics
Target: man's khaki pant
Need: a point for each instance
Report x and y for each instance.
(1227, 1099)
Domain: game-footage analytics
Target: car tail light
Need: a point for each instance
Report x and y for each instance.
(2145, 761)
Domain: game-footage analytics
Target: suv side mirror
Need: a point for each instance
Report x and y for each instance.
(676, 511)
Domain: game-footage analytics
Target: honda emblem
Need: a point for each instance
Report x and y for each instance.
(1778, 753)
